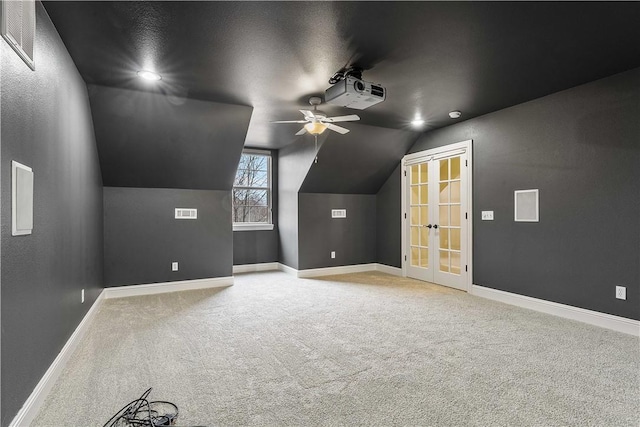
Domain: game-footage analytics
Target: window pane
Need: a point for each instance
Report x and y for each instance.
(250, 197)
(424, 257)
(444, 238)
(424, 194)
(424, 172)
(444, 215)
(252, 204)
(251, 178)
(444, 192)
(444, 261)
(415, 232)
(415, 255)
(414, 174)
(455, 238)
(414, 195)
(240, 214)
(415, 216)
(455, 262)
(424, 215)
(455, 192)
(254, 162)
(444, 170)
(251, 165)
(455, 215)
(455, 168)
(424, 237)
(258, 214)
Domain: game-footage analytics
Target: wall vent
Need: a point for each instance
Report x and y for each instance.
(18, 27)
(338, 213)
(526, 206)
(186, 213)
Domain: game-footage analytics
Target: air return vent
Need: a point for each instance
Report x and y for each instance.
(18, 27)
(338, 213)
(186, 213)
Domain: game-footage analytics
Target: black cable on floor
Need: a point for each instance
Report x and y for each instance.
(144, 413)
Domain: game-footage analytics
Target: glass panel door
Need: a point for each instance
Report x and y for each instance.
(449, 213)
(436, 224)
(419, 225)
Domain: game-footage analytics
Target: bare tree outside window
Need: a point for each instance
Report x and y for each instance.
(251, 198)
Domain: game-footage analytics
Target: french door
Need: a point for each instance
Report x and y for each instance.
(436, 215)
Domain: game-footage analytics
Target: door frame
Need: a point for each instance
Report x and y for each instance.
(430, 154)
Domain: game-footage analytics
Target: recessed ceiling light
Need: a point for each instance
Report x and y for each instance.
(455, 114)
(417, 123)
(149, 75)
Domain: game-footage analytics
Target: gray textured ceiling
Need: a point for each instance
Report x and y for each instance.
(154, 141)
(433, 57)
(358, 162)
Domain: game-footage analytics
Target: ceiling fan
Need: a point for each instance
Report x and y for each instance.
(317, 122)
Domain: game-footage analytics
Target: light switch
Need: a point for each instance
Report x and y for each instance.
(487, 215)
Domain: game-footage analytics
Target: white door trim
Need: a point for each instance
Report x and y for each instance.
(433, 154)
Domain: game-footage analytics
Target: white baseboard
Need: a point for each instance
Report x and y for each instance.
(383, 268)
(330, 271)
(609, 321)
(160, 288)
(249, 268)
(345, 269)
(34, 402)
(287, 269)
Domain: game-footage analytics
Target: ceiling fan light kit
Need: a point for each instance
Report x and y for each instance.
(315, 128)
(315, 122)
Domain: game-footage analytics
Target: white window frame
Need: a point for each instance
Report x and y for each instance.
(258, 226)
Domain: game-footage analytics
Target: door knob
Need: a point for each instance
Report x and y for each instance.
(435, 225)
(428, 226)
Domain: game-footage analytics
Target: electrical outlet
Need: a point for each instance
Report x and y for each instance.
(333, 254)
(621, 292)
(82, 296)
(487, 215)
(174, 266)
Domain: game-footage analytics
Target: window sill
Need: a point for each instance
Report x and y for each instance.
(252, 227)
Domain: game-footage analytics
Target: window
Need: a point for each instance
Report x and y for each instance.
(252, 192)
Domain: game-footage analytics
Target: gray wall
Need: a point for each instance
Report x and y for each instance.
(158, 141)
(142, 238)
(353, 238)
(294, 162)
(46, 124)
(358, 162)
(388, 217)
(255, 247)
(581, 148)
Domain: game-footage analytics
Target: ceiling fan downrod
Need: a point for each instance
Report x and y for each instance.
(316, 138)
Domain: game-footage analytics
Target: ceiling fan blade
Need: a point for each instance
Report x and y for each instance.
(301, 131)
(308, 113)
(290, 121)
(350, 118)
(338, 129)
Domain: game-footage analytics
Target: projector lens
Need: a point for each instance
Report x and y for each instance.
(359, 86)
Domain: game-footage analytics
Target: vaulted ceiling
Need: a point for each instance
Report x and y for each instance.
(270, 57)
(432, 57)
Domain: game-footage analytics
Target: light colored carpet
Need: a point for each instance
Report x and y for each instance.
(358, 349)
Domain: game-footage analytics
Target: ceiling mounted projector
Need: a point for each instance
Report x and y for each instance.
(352, 92)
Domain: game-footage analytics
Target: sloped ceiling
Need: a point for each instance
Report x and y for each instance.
(155, 141)
(358, 162)
(433, 57)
